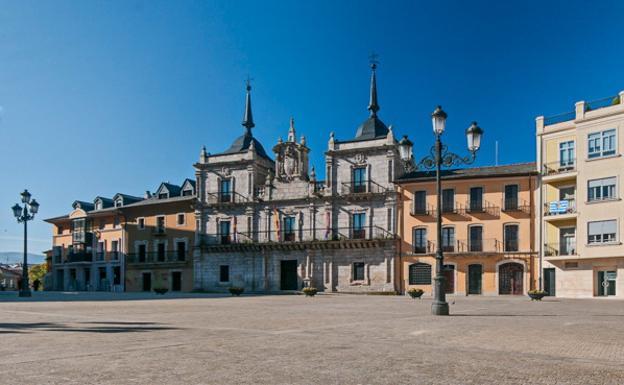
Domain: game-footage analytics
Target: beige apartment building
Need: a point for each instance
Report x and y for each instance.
(580, 201)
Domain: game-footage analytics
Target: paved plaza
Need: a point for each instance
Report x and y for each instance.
(290, 339)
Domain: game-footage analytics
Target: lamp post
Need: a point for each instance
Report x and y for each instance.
(24, 215)
(440, 157)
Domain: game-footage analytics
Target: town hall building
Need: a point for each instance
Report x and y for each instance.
(266, 223)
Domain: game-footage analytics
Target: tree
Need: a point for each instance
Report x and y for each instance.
(37, 272)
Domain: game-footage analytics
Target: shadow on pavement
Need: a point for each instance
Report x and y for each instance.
(84, 327)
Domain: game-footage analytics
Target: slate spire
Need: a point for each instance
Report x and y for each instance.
(248, 118)
(373, 106)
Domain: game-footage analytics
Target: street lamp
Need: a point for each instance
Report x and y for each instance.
(440, 157)
(24, 215)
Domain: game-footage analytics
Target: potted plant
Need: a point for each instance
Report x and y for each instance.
(160, 290)
(415, 293)
(310, 291)
(236, 290)
(537, 295)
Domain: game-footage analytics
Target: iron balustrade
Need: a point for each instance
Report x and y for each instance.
(560, 249)
(559, 167)
(483, 207)
(364, 187)
(514, 204)
(428, 248)
(428, 210)
(602, 103)
(79, 256)
(299, 235)
(319, 186)
(511, 245)
(567, 116)
(229, 197)
(167, 256)
(488, 245)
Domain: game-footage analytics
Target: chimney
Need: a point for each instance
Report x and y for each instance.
(148, 195)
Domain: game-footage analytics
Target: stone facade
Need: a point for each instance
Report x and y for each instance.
(269, 225)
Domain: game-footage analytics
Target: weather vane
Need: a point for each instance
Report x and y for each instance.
(373, 60)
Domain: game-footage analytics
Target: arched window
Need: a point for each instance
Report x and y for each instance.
(420, 274)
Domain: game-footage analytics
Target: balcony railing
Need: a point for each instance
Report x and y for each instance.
(363, 187)
(511, 245)
(79, 256)
(567, 116)
(229, 197)
(99, 256)
(566, 206)
(158, 257)
(602, 103)
(516, 205)
(299, 235)
(483, 207)
(319, 186)
(559, 167)
(427, 248)
(427, 210)
(560, 249)
(159, 230)
(479, 246)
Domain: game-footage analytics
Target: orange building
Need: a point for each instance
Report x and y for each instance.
(488, 234)
(126, 243)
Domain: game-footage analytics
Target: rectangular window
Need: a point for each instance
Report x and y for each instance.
(601, 189)
(448, 239)
(160, 224)
(358, 271)
(476, 199)
(224, 273)
(116, 223)
(566, 154)
(359, 179)
(99, 256)
(115, 250)
(225, 190)
(59, 230)
(420, 202)
(141, 223)
(419, 240)
(160, 252)
(602, 232)
(511, 238)
(475, 243)
(448, 200)
(289, 229)
(420, 274)
(187, 193)
(359, 229)
(163, 195)
(511, 197)
(224, 231)
(142, 252)
(601, 144)
(181, 250)
(180, 219)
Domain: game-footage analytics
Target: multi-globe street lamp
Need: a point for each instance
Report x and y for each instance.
(440, 157)
(24, 215)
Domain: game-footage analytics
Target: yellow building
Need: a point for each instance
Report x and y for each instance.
(581, 208)
(487, 230)
(94, 247)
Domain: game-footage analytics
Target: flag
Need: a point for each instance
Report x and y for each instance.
(277, 224)
(327, 224)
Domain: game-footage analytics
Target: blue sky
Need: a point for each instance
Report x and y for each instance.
(100, 97)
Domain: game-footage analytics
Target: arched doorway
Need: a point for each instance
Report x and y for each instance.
(511, 278)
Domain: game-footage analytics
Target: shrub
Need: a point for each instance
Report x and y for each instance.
(616, 100)
(415, 293)
(310, 291)
(537, 292)
(237, 291)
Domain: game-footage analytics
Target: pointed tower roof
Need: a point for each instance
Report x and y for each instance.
(372, 127)
(243, 142)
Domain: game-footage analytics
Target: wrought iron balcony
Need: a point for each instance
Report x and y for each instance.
(559, 167)
(168, 256)
(490, 245)
(515, 204)
(79, 256)
(363, 187)
(427, 248)
(159, 230)
(298, 235)
(482, 207)
(560, 249)
(319, 187)
(227, 197)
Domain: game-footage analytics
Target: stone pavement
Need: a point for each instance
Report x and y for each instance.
(287, 339)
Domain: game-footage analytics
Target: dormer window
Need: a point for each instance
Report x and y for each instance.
(187, 192)
(118, 203)
(163, 195)
(98, 205)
